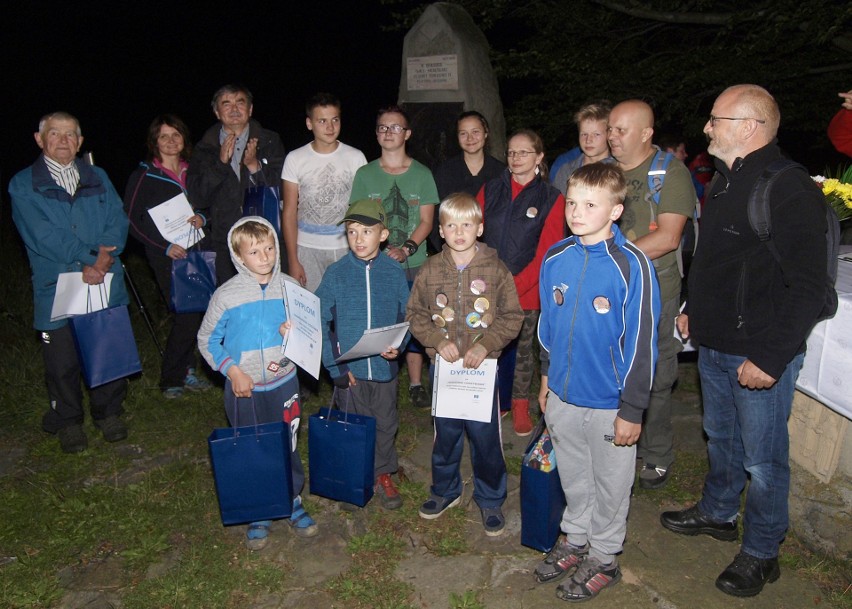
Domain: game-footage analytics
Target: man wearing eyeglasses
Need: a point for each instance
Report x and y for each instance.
(234, 154)
(751, 316)
(656, 227)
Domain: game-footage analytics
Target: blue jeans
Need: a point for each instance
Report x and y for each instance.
(747, 437)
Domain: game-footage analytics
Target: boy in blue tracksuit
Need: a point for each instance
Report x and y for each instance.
(240, 338)
(366, 289)
(599, 309)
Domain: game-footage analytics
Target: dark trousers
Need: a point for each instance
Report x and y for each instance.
(378, 400)
(280, 404)
(179, 354)
(486, 455)
(62, 376)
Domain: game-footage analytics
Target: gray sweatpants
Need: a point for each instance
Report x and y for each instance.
(596, 476)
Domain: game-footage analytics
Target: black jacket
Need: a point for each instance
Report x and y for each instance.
(738, 300)
(213, 186)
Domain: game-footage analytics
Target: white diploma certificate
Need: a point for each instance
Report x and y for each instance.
(75, 297)
(172, 220)
(303, 343)
(463, 393)
(375, 341)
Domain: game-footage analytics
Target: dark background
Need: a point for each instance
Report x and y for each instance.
(115, 66)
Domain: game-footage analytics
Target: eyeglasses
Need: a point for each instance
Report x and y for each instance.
(519, 153)
(713, 119)
(395, 129)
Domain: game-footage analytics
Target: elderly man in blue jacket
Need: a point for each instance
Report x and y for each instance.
(71, 220)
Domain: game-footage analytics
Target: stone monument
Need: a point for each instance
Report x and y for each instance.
(446, 70)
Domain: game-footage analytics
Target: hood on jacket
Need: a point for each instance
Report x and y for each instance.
(241, 268)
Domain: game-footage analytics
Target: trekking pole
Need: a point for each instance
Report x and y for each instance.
(142, 309)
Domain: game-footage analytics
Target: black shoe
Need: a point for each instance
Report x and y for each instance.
(747, 575)
(112, 428)
(653, 476)
(692, 522)
(72, 439)
(418, 397)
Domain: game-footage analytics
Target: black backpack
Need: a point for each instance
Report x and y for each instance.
(760, 219)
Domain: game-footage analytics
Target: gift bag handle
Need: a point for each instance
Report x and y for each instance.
(348, 393)
(237, 414)
(101, 293)
(193, 233)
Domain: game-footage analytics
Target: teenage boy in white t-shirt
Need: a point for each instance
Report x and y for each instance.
(317, 181)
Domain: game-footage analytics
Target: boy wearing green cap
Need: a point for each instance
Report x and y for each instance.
(366, 289)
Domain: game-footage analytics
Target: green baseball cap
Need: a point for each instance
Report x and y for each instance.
(366, 211)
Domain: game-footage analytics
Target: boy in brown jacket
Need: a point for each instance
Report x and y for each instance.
(464, 305)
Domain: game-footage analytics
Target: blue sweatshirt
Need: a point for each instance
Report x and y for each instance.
(600, 306)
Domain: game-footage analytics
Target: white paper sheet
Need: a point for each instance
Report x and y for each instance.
(171, 219)
(303, 343)
(76, 297)
(463, 393)
(375, 341)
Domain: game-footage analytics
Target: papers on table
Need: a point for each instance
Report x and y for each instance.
(463, 393)
(76, 297)
(171, 219)
(375, 341)
(303, 343)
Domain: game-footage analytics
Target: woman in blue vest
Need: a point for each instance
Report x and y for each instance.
(524, 215)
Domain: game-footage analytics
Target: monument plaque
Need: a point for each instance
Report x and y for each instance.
(436, 72)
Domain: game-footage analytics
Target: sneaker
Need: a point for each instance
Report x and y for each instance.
(300, 521)
(173, 393)
(653, 476)
(195, 383)
(493, 521)
(521, 421)
(387, 493)
(112, 428)
(72, 439)
(435, 506)
(257, 535)
(562, 560)
(418, 397)
(588, 580)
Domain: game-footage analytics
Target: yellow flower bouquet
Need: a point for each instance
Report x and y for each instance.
(838, 193)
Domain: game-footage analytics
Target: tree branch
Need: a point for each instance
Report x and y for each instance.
(670, 17)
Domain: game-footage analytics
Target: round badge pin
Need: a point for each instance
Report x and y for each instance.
(558, 297)
(439, 321)
(441, 300)
(481, 304)
(532, 212)
(486, 320)
(473, 320)
(477, 286)
(448, 314)
(601, 304)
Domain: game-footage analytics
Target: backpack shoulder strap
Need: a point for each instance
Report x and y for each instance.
(759, 213)
(657, 174)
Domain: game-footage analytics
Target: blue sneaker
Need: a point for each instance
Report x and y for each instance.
(195, 383)
(301, 522)
(257, 535)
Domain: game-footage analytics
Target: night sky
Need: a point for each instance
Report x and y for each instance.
(115, 66)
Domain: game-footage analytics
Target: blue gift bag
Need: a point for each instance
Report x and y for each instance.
(341, 455)
(105, 345)
(251, 467)
(264, 201)
(542, 501)
(193, 282)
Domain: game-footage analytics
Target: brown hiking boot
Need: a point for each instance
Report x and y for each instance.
(521, 421)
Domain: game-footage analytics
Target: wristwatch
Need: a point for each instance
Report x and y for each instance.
(409, 246)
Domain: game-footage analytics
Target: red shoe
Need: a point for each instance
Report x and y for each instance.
(521, 417)
(387, 492)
